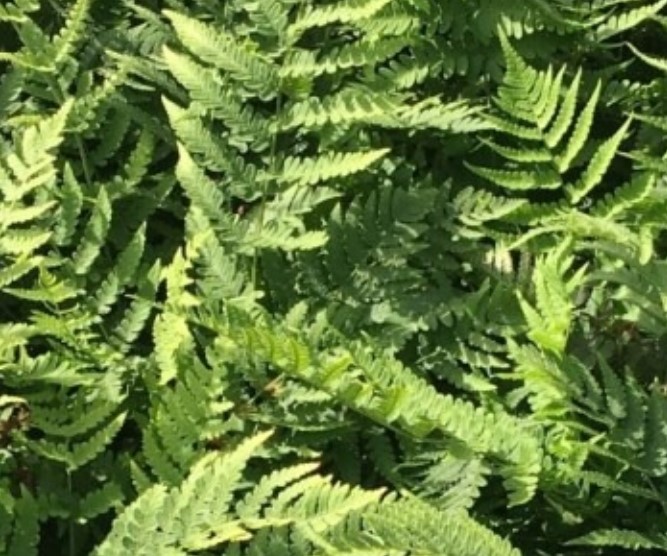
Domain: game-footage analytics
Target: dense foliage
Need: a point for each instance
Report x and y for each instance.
(354, 277)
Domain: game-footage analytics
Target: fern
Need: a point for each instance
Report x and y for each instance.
(220, 50)
(439, 281)
(310, 503)
(618, 23)
(529, 100)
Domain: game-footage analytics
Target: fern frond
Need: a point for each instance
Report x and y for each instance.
(16, 12)
(344, 11)
(208, 91)
(203, 193)
(94, 235)
(622, 538)
(221, 50)
(598, 165)
(654, 61)
(75, 455)
(71, 202)
(137, 314)
(627, 20)
(382, 389)
(72, 32)
(216, 154)
(122, 273)
(544, 137)
(625, 197)
(310, 171)
(350, 106)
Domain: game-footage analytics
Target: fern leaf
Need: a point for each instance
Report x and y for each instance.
(137, 529)
(77, 455)
(203, 192)
(519, 155)
(580, 132)
(598, 165)
(654, 61)
(23, 241)
(23, 215)
(72, 32)
(310, 171)
(625, 197)
(519, 180)
(140, 309)
(654, 459)
(614, 391)
(627, 20)
(565, 115)
(170, 332)
(100, 501)
(255, 501)
(344, 11)
(347, 107)
(221, 50)
(207, 91)
(70, 208)
(123, 272)
(94, 235)
(217, 155)
(16, 13)
(22, 266)
(622, 538)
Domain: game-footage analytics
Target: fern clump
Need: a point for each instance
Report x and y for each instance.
(345, 277)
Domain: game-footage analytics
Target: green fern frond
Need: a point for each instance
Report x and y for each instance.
(519, 180)
(134, 319)
(477, 207)
(310, 171)
(72, 32)
(323, 515)
(348, 107)
(549, 323)
(580, 132)
(382, 389)
(16, 12)
(76, 454)
(654, 459)
(621, 538)
(656, 62)
(544, 136)
(71, 202)
(598, 165)
(203, 192)
(201, 507)
(220, 49)
(407, 526)
(625, 197)
(208, 91)
(627, 20)
(216, 155)
(94, 235)
(122, 273)
(344, 11)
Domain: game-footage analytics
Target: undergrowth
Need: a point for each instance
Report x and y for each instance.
(365, 277)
